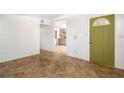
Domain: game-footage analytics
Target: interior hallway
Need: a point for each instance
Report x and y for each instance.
(50, 64)
(61, 49)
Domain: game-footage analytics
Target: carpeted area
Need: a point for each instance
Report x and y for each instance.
(55, 65)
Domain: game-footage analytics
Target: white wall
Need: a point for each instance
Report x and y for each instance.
(19, 37)
(60, 24)
(78, 36)
(119, 44)
(47, 37)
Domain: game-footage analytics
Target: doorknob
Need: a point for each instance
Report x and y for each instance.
(91, 42)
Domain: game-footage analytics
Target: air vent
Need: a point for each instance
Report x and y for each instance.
(42, 21)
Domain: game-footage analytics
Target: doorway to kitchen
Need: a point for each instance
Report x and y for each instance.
(60, 36)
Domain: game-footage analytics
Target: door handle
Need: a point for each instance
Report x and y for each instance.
(91, 42)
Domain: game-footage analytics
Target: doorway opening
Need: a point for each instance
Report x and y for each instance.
(60, 29)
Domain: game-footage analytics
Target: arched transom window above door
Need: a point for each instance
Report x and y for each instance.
(101, 22)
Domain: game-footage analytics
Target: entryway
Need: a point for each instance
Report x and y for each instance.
(102, 30)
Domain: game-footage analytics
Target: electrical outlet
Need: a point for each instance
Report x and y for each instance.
(75, 36)
(5, 53)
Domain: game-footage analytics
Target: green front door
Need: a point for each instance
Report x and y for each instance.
(102, 40)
